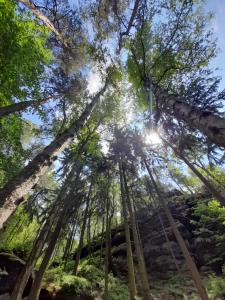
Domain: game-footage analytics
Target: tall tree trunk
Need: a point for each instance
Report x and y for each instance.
(38, 13)
(14, 190)
(210, 124)
(26, 271)
(36, 287)
(170, 249)
(107, 237)
(205, 181)
(190, 262)
(130, 263)
(102, 239)
(70, 237)
(79, 248)
(21, 106)
(41, 239)
(139, 252)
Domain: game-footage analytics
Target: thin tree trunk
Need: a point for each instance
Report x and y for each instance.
(14, 190)
(130, 263)
(40, 241)
(70, 237)
(190, 262)
(164, 229)
(210, 124)
(36, 287)
(79, 248)
(102, 239)
(205, 181)
(139, 252)
(107, 237)
(32, 259)
(21, 106)
(29, 4)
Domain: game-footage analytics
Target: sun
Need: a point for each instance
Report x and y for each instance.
(152, 138)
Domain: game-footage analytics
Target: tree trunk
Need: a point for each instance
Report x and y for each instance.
(130, 263)
(210, 124)
(190, 263)
(70, 237)
(79, 248)
(205, 181)
(30, 5)
(36, 287)
(21, 184)
(21, 106)
(170, 249)
(139, 252)
(32, 259)
(107, 237)
(41, 239)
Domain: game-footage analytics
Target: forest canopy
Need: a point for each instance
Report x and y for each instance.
(110, 113)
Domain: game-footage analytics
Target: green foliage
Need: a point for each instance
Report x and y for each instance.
(90, 281)
(19, 234)
(179, 286)
(210, 231)
(12, 153)
(23, 53)
(213, 211)
(216, 286)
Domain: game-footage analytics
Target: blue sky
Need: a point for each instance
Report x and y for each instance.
(218, 26)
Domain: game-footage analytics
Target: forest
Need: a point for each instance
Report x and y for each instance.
(112, 151)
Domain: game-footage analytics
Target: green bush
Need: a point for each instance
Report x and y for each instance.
(216, 286)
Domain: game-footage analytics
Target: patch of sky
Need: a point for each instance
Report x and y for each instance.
(217, 23)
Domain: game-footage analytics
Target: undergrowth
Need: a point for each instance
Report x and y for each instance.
(89, 281)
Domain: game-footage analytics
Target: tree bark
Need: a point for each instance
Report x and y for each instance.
(107, 248)
(32, 259)
(21, 106)
(130, 263)
(30, 5)
(190, 262)
(41, 239)
(205, 181)
(210, 124)
(79, 248)
(36, 287)
(14, 190)
(139, 252)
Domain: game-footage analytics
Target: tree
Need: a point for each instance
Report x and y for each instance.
(190, 263)
(15, 190)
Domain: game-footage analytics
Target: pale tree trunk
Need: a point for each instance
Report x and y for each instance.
(190, 262)
(21, 106)
(14, 190)
(79, 248)
(38, 13)
(130, 263)
(205, 181)
(210, 124)
(139, 252)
